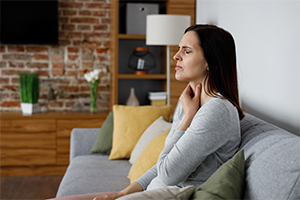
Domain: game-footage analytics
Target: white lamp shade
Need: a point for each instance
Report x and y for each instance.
(166, 29)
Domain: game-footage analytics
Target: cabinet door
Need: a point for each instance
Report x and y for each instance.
(64, 128)
(28, 142)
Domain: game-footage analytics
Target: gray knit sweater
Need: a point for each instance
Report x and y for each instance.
(190, 157)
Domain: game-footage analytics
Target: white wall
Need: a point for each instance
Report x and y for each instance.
(267, 40)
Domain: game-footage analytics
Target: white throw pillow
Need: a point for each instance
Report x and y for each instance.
(157, 127)
(164, 193)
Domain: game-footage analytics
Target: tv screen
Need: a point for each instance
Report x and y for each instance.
(29, 22)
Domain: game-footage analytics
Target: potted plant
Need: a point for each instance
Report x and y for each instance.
(29, 92)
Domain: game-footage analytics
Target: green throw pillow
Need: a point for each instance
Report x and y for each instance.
(226, 183)
(103, 143)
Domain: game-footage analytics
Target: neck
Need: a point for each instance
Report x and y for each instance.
(204, 97)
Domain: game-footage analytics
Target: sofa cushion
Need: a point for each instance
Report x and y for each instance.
(89, 196)
(272, 160)
(129, 124)
(225, 183)
(157, 127)
(103, 143)
(148, 157)
(94, 173)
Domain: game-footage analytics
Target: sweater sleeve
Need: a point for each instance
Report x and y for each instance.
(184, 151)
(148, 176)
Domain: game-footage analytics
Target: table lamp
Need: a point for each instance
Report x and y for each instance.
(166, 30)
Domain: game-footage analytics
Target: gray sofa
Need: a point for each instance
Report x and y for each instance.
(272, 163)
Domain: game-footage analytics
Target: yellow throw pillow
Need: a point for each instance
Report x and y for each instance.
(130, 122)
(148, 157)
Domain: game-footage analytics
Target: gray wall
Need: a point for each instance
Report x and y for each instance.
(267, 42)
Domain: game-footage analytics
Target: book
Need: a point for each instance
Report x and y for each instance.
(158, 98)
(159, 102)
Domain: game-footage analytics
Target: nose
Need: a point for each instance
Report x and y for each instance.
(177, 56)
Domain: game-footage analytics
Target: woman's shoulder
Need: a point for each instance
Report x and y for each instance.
(218, 105)
(219, 101)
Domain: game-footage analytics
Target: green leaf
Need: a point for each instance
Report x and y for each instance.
(29, 87)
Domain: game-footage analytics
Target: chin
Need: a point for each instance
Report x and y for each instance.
(179, 78)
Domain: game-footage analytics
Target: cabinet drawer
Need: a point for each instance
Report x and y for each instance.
(28, 125)
(65, 126)
(27, 157)
(28, 142)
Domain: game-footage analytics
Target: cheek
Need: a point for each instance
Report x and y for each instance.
(198, 70)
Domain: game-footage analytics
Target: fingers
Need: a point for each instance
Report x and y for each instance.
(198, 91)
(104, 197)
(187, 90)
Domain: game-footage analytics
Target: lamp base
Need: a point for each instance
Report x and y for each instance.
(141, 72)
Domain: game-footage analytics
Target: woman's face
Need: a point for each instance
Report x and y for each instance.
(191, 65)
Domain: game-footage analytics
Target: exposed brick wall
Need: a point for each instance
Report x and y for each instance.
(83, 44)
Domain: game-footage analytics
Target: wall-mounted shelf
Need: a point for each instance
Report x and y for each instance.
(124, 36)
(148, 76)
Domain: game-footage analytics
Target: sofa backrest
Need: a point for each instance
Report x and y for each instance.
(272, 160)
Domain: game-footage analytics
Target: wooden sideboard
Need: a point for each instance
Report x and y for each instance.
(39, 144)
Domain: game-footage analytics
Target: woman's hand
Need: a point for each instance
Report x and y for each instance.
(191, 103)
(109, 196)
(132, 188)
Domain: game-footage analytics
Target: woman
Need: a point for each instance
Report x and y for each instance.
(206, 130)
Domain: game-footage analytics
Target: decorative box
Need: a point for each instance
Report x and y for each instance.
(136, 17)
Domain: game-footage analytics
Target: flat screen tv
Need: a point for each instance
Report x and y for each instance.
(29, 22)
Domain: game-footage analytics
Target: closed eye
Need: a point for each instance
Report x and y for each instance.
(185, 49)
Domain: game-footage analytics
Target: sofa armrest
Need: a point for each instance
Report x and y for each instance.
(82, 140)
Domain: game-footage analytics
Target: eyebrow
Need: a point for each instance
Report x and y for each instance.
(186, 47)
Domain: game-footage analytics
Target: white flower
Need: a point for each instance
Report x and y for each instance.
(96, 74)
(93, 76)
(87, 77)
(97, 71)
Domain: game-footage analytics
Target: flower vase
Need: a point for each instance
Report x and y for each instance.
(132, 100)
(93, 96)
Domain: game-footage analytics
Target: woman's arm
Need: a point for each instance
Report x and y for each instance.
(210, 129)
(189, 103)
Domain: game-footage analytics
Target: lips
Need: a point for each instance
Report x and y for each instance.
(178, 67)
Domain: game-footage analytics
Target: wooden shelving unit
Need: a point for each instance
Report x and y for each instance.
(122, 45)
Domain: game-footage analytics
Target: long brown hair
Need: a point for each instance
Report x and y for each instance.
(219, 51)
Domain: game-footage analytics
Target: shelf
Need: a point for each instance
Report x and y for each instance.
(148, 76)
(125, 36)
